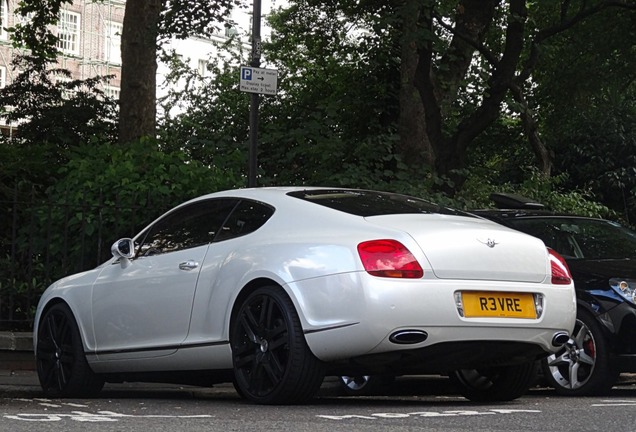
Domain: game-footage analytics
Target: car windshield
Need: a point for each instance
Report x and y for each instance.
(371, 203)
(593, 239)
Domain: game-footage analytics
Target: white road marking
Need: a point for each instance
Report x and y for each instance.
(453, 413)
(615, 402)
(100, 416)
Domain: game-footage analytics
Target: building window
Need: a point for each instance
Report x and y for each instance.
(112, 92)
(230, 31)
(3, 76)
(22, 20)
(64, 84)
(202, 67)
(112, 43)
(68, 32)
(4, 17)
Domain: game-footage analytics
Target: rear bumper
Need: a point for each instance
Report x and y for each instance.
(353, 314)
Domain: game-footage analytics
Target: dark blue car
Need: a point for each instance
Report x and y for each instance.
(601, 255)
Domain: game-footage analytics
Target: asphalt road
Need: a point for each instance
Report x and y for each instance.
(412, 405)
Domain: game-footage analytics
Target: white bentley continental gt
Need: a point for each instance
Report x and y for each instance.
(275, 288)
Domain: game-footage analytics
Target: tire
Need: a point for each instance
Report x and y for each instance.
(60, 360)
(272, 362)
(582, 366)
(497, 384)
(365, 385)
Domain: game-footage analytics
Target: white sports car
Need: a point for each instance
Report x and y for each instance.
(274, 288)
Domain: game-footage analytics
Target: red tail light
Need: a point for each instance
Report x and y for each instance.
(560, 271)
(389, 258)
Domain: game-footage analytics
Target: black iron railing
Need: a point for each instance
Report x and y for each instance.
(42, 241)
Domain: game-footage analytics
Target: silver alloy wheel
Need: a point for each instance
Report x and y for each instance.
(573, 366)
(355, 383)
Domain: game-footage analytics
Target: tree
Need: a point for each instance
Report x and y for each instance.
(498, 37)
(343, 64)
(34, 33)
(463, 63)
(137, 98)
(587, 90)
(211, 122)
(54, 111)
(148, 23)
(332, 122)
(50, 106)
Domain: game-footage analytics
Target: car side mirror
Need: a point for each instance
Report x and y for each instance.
(124, 250)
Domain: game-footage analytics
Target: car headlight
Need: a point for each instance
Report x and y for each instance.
(625, 287)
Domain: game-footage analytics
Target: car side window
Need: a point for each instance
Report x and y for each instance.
(190, 226)
(247, 217)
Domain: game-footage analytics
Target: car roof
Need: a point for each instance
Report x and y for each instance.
(514, 206)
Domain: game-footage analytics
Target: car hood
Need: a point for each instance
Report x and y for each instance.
(459, 247)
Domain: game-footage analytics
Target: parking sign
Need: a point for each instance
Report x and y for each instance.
(259, 80)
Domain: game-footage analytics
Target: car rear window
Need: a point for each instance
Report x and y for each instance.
(370, 203)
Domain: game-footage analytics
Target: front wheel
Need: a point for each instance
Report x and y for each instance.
(496, 384)
(582, 366)
(60, 359)
(272, 362)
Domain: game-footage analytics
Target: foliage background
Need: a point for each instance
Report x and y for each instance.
(68, 189)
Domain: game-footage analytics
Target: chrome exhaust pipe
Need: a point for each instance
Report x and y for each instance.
(406, 337)
(559, 339)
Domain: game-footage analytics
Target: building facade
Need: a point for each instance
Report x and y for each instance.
(89, 43)
(89, 39)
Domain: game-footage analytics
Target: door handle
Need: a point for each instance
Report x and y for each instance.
(189, 265)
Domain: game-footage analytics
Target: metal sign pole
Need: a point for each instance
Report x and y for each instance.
(256, 62)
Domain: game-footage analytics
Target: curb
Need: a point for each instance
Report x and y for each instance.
(16, 351)
(16, 341)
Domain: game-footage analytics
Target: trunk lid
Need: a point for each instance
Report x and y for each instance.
(463, 247)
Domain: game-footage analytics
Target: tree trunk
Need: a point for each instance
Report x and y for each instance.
(438, 86)
(450, 154)
(531, 129)
(415, 146)
(137, 100)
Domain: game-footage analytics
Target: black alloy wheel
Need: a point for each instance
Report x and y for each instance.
(582, 366)
(61, 363)
(272, 362)
(497, 384)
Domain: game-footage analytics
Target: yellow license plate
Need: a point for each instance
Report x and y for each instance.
(498, 304)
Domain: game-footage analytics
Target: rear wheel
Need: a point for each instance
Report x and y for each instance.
(582, 366)
(272, 362)
(495, 384)
(61, 362)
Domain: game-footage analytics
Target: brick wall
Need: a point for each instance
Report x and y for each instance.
(95, 46)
